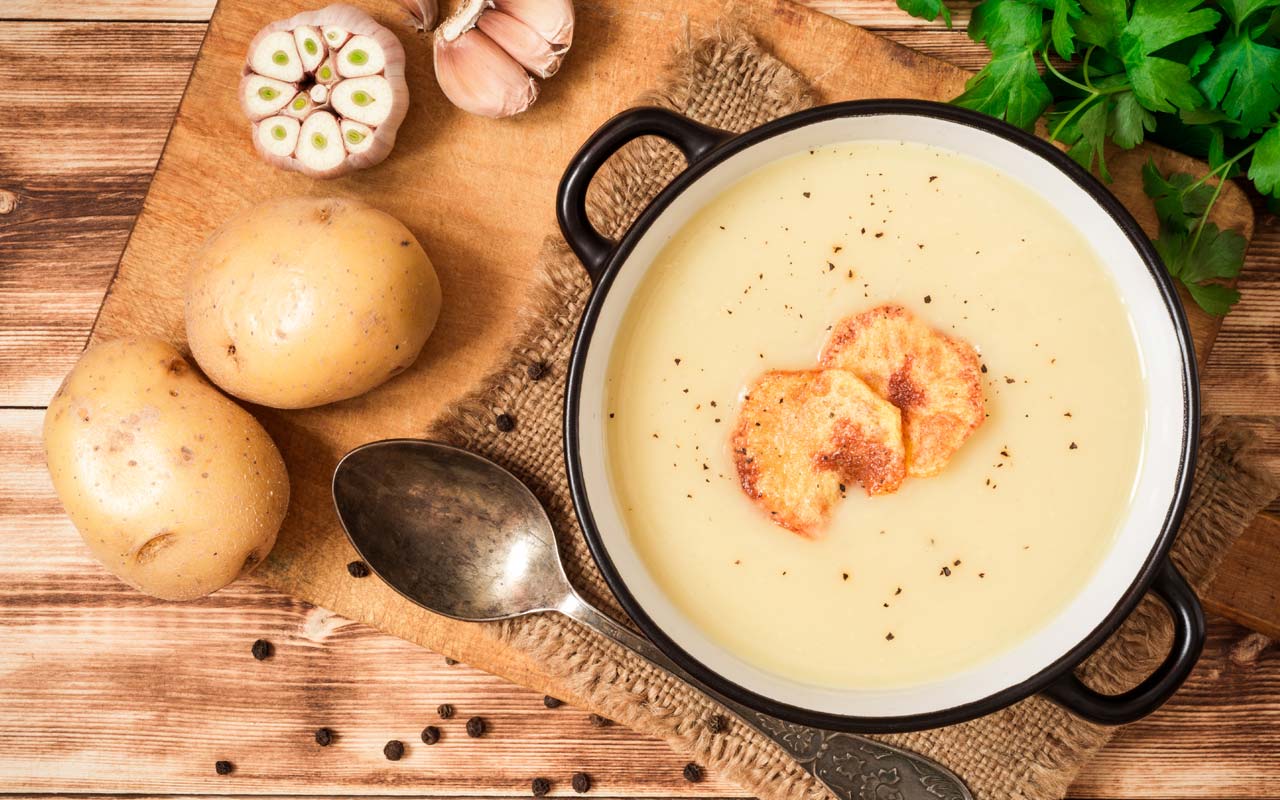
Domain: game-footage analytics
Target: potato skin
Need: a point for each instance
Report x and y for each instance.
(175, 488)
(305, 301)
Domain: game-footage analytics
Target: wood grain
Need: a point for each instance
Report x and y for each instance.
(88, 107)
(166, 689)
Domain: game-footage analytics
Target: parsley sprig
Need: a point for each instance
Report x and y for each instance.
(1201, 76)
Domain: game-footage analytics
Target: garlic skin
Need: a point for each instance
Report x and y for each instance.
(325, 91)
(424, 13)
(488, 52)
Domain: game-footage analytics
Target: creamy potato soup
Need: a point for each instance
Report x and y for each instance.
(949, 570)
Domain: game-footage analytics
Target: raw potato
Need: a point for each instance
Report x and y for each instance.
(306, 301)
(175, 488)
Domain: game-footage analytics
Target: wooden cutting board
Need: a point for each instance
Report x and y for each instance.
(479, 196)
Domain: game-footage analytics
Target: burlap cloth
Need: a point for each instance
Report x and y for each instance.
(1032, 750)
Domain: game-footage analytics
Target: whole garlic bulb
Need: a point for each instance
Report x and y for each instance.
(325, 91)
(489, 53)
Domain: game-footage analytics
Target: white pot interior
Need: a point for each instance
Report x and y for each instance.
(1155, 334)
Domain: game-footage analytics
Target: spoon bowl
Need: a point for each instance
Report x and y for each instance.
(449, 530)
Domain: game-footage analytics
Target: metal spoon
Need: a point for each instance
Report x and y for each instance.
(461, 536)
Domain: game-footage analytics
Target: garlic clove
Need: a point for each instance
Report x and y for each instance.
(360, 56)
(425, 13)
(300, 107)
(310, 46)
(356, 138)
(278, 136)
(326, 73)
(320, 144)
(550, 19)
(368, 100)
(478, 76)
(522, 43)
(334, 36)
(261, 97)
(276, 56)
(319, 94)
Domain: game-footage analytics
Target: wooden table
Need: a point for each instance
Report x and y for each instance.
(104, 691)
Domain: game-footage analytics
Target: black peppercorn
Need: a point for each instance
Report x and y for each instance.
(449, 662)
(475, 727)
(692, 772)
(223, 767)
(430, 734)
(717, 723)
(262, 650)
(445, 711)
(581, 782)
(598, 721)
(537, 370)
(505, 422)
(324, 737)
(393, 750)
(540, 787)
(551, 702)
(358, 569)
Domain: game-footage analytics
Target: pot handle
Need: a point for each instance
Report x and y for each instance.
(1188, 640)
(693, 139)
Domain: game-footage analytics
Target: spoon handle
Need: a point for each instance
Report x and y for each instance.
(851, 766)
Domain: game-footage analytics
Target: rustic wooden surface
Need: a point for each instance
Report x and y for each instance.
(80, 700)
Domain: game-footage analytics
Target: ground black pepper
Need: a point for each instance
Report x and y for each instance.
(324, 737)
(581, 782)
(262, 650)
(475, 727)
(551, 702)
(598, 721)
(430, 734)
(449, 662)
(717, 723)
(505, 422)
(692, 773)
(888, 637)
(223, 767)
(540, 787)
(358, 569)
(393, 750)
(537, 370)
(946, 572)
(445, 711)
(1073, 446)
(928, 298)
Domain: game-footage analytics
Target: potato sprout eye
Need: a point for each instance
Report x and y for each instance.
(325, 91)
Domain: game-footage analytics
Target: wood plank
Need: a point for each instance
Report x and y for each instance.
(1246, 587)
(77, 163)
(169, 688)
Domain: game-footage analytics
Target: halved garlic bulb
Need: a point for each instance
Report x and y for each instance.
(488, 52)
(325, 91)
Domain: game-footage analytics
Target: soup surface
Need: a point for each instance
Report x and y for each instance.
(950, 570)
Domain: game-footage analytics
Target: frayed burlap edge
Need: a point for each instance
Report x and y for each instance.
(1032, 750)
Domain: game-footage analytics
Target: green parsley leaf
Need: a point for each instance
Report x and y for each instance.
(1061, 32)
(1178, 205)
(1264, 164)
(1085, 131)
(1159, 83)
(1102, 23)
(1128, 122)
(1216, 254)
(1244, 77)
(1009, 88)
(929, 9)
(1240, 10)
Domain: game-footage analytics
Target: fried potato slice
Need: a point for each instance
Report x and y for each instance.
(802, 437)
(933, 378)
